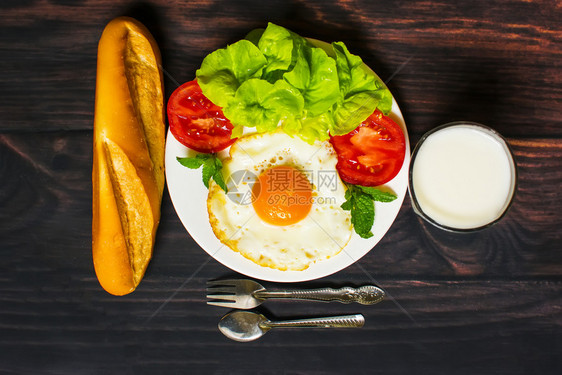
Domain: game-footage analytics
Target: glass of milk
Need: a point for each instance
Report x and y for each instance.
(462, 177)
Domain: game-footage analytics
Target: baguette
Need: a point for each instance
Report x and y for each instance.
(128, 163)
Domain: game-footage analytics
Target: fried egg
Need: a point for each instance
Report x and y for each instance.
(282, 209)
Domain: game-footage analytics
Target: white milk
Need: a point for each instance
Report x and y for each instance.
(463, 176)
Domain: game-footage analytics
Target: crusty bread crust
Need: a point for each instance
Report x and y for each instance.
(128, 168)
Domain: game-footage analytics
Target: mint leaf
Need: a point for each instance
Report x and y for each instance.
(212, 168)
(347, 205)
(192, 163)
(359, 200)
(363, 215)
(378, 195)
(348, 192)
(217, 177)
(209, 169)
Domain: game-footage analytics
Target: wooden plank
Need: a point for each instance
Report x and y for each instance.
(503, 71)
(46, 199)
(500, 327)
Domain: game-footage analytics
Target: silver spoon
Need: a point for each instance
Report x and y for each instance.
(247, 326)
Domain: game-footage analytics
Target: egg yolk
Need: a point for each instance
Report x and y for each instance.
(283, 195)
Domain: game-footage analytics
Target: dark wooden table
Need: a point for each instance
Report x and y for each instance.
(485, 303)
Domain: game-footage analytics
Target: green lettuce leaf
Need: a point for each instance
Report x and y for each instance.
(263, 105)
(361, 92)
(315, 75)
(224, 70)
(385, 101)
(275, 78)
(254, 36)
(312, 129)
(277, 45)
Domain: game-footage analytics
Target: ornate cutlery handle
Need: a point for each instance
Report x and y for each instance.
(365, 295)
(344, 321)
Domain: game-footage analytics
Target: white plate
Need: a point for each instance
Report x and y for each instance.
(189, 197)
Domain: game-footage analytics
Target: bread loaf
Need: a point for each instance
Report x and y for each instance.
(128, 166)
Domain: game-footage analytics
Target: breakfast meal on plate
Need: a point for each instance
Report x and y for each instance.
(128, 166)
(310, 143)
(289, 212)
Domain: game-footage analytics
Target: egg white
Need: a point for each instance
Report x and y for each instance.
(322, 234)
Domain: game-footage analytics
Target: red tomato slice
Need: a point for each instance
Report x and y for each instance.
(196, 122)
(373, 153)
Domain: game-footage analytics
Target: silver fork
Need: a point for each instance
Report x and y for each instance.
(247, 294)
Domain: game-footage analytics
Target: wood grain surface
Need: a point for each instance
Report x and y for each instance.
(483, 303)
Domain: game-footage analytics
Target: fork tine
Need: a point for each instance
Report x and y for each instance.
(220, 297)
(223, 296)
(221, 304)
(221, 282)
(222, 289)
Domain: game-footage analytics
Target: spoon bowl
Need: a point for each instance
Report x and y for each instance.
(243, 326)
(247, 326)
